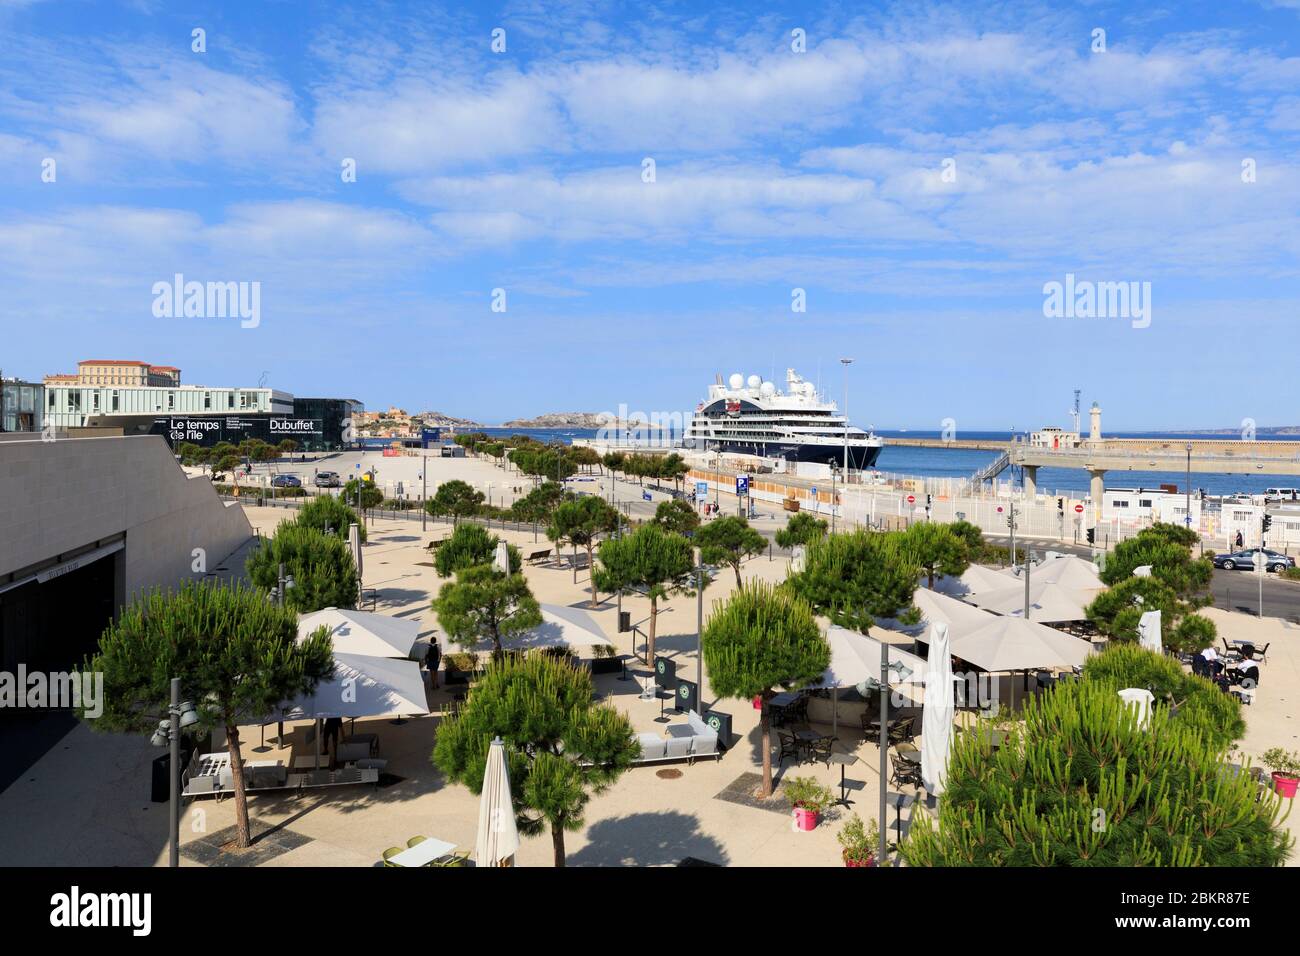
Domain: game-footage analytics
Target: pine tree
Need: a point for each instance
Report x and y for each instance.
(648, 559)
(470, 545)
(562, 748)
(936, 549)
(237, 656)
(857, 577)
(483, 603)
(324, 572)
(759, 639)
(580, 522)
(1080, 783)
(729, 541)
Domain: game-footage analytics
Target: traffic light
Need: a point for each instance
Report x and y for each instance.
(927, 502)
(1092, 535)
(1060, 505)
(1268, 521)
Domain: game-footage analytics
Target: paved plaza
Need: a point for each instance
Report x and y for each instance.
(86, 801)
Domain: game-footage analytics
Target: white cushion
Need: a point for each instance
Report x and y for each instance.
(652, 746)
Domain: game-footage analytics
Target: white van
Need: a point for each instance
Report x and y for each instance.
(1281, 494)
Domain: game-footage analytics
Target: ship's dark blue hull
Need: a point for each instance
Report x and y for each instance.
(859, 458)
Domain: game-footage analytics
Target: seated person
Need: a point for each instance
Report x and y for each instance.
(1247, 669)
(1207, 663)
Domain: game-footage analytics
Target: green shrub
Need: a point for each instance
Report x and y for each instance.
(327, 511)
(807, 794)
(471, 544)
(1200, 703)
(1080, 783)
(324, 574)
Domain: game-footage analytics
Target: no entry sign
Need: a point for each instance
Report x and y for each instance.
(1078, 509)
(911, 499)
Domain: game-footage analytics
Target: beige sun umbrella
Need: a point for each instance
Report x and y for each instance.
(1048, 603)
(1014, 644)
(498, 836)
(562, 626)
(363, 632)
(977, 579)
(938, 608)
(1068, 571)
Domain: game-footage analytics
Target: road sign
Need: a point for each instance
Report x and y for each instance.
(999, 509)
(814, 491)
(742, 484)
(911, 499)
(1188, 521)
(1078, 509)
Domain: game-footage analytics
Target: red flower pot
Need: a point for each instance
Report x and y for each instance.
(805, 819)
(758, 702)
(1284, 785)
(849, 862)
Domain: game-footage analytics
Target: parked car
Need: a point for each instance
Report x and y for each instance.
(328, 479)
(286, 481)
(1245, 560)
(1281, 494)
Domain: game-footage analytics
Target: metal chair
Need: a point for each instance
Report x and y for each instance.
(391, 852)
(790, 747)
(901, 731)
(415, 841)
(820, 749)
(457, 858)
(905, 771)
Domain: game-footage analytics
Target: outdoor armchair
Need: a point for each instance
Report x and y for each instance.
(391, 852)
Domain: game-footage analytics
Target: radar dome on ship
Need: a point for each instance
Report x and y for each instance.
(767, 389)
(754, 381)
(737, 380)
(808, 389)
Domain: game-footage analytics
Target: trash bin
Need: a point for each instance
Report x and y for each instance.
(160, 790)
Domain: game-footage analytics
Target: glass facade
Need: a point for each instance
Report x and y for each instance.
(22, 406)
(69, 406)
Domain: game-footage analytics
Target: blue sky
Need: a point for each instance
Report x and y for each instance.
(774, 170)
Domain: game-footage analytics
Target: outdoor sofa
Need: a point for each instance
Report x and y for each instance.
(684, 742)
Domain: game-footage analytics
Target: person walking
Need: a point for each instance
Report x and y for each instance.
(1240, 540)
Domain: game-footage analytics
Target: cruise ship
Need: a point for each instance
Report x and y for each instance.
(751, 417)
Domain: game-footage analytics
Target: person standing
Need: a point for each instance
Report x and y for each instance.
(431, 659)
(1240, 540)
(333, 727)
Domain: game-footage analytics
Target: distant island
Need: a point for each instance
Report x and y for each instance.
(439, 420)
(574, 420)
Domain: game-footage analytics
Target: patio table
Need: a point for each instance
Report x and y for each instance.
(783, 699)
(845, 761)
(422, 854)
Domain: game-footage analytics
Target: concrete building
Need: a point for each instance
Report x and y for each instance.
(86, 524)
(128, 372)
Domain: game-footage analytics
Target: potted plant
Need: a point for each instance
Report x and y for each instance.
(605, 660)
(459, 667)
(809, 799)
(1286, 770)
(860, 842)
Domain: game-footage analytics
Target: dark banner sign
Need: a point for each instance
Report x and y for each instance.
(207, 430)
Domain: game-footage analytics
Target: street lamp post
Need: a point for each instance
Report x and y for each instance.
(846, 362)
(179, 716)
(1188, 489)
(424, 487)
(699, 629)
